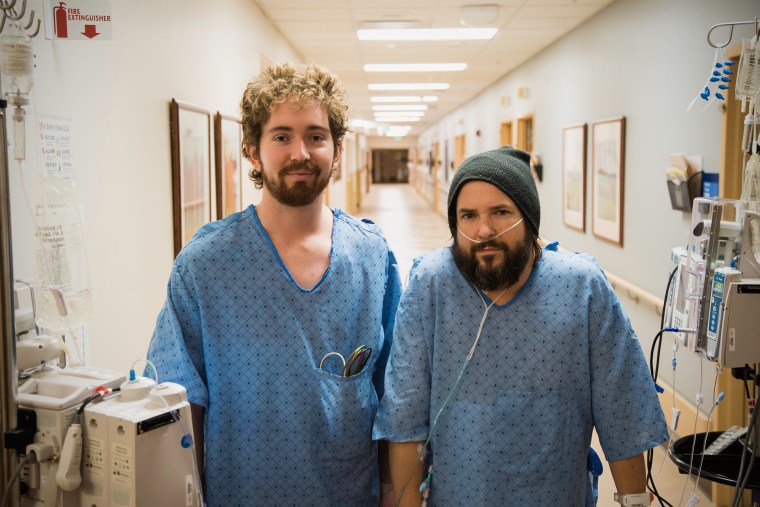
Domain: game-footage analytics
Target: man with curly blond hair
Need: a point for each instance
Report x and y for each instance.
(278, 318)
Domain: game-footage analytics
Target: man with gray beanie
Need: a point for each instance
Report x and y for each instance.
(506, 356)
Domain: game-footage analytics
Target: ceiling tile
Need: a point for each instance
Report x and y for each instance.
(557, 11)
(327, 36)
(280, 14)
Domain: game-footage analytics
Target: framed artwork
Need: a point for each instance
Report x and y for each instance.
(193, 196)
(574, 176)
(229, 167)
(608, 171)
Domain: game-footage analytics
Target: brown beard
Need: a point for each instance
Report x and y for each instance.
(301, 193)
(484, 273)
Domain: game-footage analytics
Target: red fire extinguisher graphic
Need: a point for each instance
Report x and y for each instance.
(60, 23)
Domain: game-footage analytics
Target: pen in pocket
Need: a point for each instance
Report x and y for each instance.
(355, 362)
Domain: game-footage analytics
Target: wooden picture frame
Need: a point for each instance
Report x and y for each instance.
(193, 199)
(574, 176)
(228, 138)
(608, 173)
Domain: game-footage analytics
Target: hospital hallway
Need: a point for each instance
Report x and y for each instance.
(413, 228)
(407, 220)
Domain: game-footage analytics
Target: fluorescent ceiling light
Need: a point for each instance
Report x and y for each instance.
(396, 133)
(397, 98)
(393, 130)
(380, 114)
(414, 67)
(428, 34)
(398, 128)
(400, 107)
(395, 119)
(360, 123)
(409, 86)
(430, 98)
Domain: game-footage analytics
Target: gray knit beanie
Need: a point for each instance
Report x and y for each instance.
(509, 170)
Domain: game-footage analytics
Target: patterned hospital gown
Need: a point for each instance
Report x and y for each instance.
(556, 361)
(246, 341)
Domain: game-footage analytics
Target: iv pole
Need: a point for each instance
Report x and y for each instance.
(8, 380)
(8, 374)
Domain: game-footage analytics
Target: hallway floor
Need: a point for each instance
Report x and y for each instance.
(413, 228)
(408, 221)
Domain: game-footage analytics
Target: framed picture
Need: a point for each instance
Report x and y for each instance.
(608, 170)
(574, 176)
(227, 141)
(193, 196)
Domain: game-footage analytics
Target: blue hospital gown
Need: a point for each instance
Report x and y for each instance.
(246, 341)
(553, 363)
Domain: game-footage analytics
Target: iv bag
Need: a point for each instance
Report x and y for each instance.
(63, 300)
(751, 199)
(16, 60)
(748, 74)
(751, 184)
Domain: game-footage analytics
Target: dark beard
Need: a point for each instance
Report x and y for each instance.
(484, 274)
(302, 193)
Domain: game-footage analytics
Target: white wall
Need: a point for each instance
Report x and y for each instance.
(642, 59)
(116, 94)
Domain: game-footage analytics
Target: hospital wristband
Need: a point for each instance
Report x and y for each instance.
(634, 500)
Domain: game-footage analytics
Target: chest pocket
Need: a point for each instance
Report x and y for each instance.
(342, 438)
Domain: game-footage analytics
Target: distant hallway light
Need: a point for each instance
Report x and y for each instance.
(393, 130)
(421, 34)
(396, 133)
(400, 107)
(380, 114)
(414, 67)
(408, 86)
(361, 123)
(400, 119)
(396, 98)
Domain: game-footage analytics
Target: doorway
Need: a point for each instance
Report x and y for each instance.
(390, 166)
(505, 134)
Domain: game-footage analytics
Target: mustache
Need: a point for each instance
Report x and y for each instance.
(488, 244)
(299, 166)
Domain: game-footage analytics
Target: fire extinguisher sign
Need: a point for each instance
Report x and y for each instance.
(78, 20)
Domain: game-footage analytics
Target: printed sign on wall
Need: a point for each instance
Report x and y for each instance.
(78, 20)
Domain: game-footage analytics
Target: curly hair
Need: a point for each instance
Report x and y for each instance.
(301, 85)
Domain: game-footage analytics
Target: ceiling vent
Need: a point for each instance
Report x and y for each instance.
(479, 15)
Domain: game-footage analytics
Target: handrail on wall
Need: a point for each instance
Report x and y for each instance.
(637, 294)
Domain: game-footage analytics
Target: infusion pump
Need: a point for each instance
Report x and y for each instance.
(732, 319)
(126, 449)
(137, 448)
(54, 395)
(715, 294)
